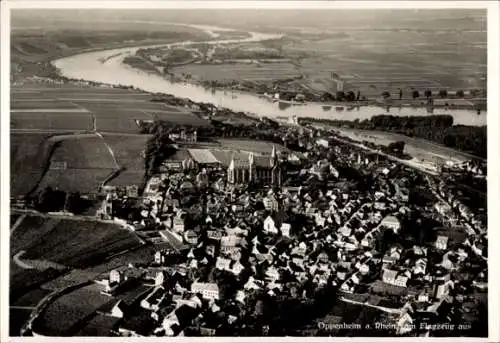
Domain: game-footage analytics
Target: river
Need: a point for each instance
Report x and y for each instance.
(107, 67)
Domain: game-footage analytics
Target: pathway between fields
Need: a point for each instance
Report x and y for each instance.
(117, 165)
(17, 223)
(20, 263)
(35, 264)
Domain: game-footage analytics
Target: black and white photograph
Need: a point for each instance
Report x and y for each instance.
(264, 171)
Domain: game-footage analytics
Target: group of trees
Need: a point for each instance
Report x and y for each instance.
(158, 148)
(349, 96)
(52, 200)
(415, 94)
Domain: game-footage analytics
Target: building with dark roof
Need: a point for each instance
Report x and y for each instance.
(255, 172)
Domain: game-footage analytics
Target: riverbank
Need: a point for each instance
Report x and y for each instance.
(288, 91)
(114, 72)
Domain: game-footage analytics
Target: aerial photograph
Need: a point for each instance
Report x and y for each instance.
(248, 172)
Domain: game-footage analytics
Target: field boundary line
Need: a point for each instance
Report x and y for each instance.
(19, 263)
(17, 223)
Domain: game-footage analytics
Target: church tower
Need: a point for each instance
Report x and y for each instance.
(231, 171)
(273, 159)
(275, 168)
(252, 174)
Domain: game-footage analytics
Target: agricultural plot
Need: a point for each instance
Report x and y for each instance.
(54, 121)
(84, 181)
(13, 218)
(28, 155)
(31, 298)
(129, 152)
(89, 152)
(110, 107)
(125, 124)
(73, 243)
(23, 281)
(76, 306)
(31, 229)
(142, 254)
(384, 55)
(79, 164)
(100, 325)
(180, 118)
(40, 104)
(240, 71)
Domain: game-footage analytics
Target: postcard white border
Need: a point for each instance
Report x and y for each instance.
(493, 145)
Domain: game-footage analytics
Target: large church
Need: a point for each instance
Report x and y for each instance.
(255, 170)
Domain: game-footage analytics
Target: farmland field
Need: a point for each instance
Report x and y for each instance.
(79, 164)
(57, 121)
(180, 118)
(29, 153)
(75, 180)
(129, 155)
(76, 306)
(24, 104)
(240, 71)
(31, 298)
(73, 109)
(89, 152)
(73, 243)
(26, 280)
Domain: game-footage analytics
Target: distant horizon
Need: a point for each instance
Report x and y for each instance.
(370, 18)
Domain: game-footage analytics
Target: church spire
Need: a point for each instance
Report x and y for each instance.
(251, 166)
(272, 160)
(231, 177)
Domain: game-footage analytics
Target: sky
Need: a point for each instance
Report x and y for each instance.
(252, 19)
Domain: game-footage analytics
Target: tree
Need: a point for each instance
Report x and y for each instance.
(460, 93)
(49, 200)
(443, 93)
(428, 93)
(350, 96)
(340, 95)
(398, 146)
(386, 94)
(44, 199)
(73, 203)
(358, 95)
(415, 94)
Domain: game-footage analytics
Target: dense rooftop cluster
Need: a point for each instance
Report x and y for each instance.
(242, 259)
